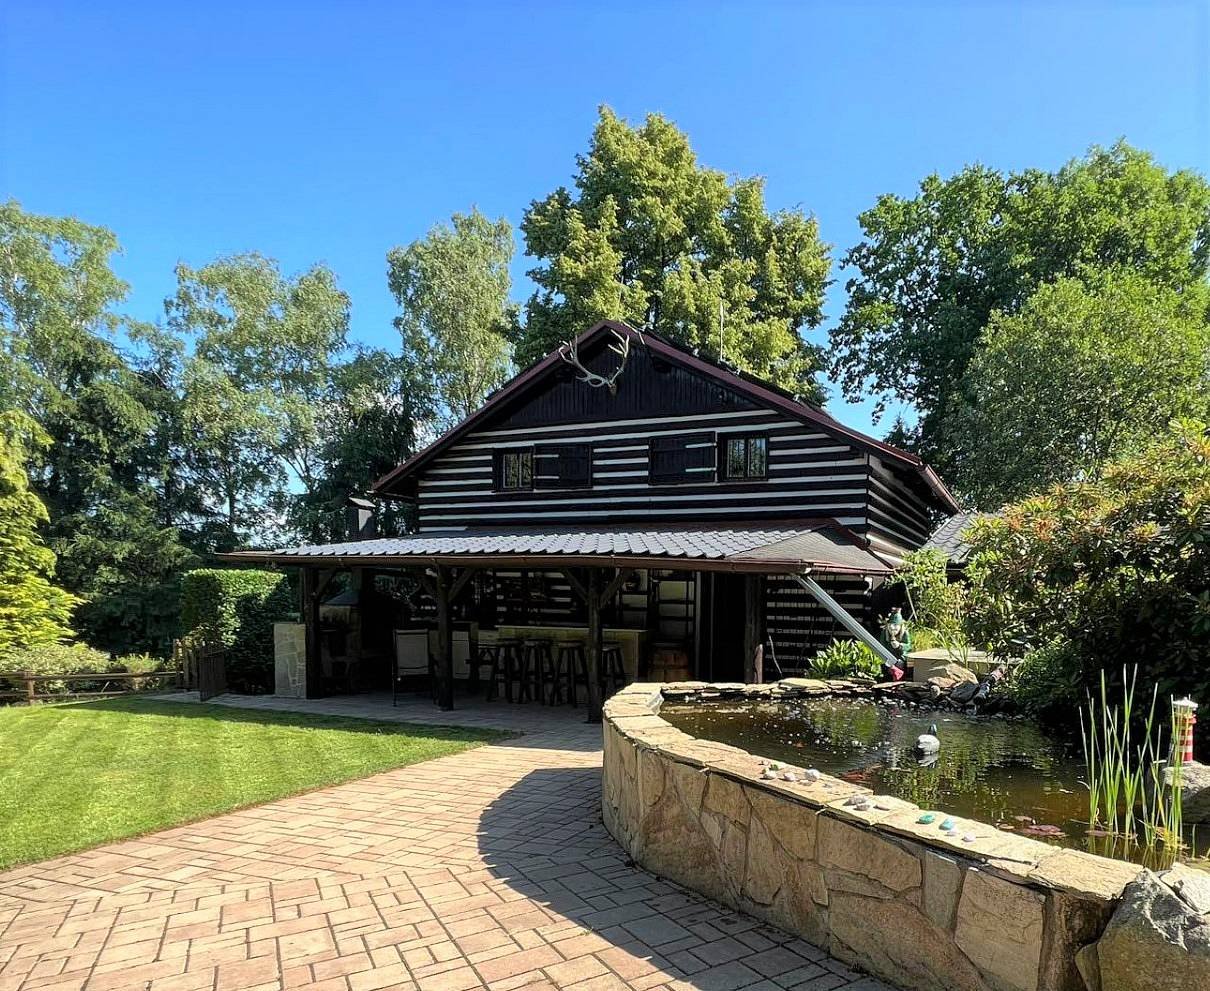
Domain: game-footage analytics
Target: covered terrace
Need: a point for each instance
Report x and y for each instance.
(596, 563)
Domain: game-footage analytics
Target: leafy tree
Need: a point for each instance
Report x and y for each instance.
(931, 270)
(58, 320)
(452, 289)
(369, 427)
(33, 611)
(936, 604)
(1092, 575)
(266, 347)
(1076, 377)
(652, 237)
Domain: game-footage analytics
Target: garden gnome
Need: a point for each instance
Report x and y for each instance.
(898, 639)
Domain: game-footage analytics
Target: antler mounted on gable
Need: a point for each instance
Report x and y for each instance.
(570, 353)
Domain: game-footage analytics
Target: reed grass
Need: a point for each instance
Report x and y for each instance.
(1134, 792)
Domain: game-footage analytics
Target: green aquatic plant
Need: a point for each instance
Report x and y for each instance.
(1134, 794)
(844, 658)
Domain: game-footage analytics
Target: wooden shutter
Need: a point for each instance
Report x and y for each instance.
(681, 459)
(563, 466)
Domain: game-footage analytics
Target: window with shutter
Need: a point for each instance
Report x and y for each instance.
(514, 469)
(563, 466)
(681, 459)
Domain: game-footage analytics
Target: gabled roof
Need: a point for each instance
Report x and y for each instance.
(762, 548)
(759, 391)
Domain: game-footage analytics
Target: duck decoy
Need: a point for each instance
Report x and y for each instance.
(928, 743)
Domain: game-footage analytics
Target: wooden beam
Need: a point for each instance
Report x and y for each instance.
(577, 586)
(445, 641)
(612, 588)
(594, 644)
(460, 582)
(325, 579)
(426, 583)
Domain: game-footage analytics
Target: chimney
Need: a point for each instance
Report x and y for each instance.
(359, 519)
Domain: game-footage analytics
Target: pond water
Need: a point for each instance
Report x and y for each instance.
(1007, 773)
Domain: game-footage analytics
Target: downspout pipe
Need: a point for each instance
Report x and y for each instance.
(844, 618)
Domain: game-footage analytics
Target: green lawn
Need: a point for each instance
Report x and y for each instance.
(73, 776)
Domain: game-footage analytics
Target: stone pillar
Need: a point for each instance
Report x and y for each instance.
(290, 660)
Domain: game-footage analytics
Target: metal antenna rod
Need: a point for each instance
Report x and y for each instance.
(720, 330)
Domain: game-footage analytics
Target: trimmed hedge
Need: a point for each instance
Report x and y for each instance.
(237, 609)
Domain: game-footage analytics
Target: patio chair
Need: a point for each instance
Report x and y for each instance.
(413, 663)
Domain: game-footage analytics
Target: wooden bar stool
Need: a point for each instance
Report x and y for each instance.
(571, 670)
(506, 667)
(613, 670)
(536, 669)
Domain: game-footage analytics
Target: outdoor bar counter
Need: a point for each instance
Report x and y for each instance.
(631, 640)
(414, 647)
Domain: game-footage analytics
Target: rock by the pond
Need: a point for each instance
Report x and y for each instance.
(1195, 798)
(1154, 941)
(946, 676)
(1193, 886)
(964, 692)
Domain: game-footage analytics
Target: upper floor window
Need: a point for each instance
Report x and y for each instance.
(680, 459)
(514, 469)
(745, 456)
(563, 466)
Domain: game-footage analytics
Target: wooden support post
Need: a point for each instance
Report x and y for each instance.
(359, 581)
(592, 590)
(754, 628)
(310, 611)
(445, 641)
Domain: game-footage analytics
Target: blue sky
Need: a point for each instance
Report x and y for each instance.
(331, 132)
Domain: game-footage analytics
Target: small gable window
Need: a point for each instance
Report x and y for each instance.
(681, 459)
(563, 466)
(515, 469)
(745, 457)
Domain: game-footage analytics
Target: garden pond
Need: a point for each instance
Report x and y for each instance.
(1008, 773)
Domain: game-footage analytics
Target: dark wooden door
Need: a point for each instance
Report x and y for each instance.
(723, 627)
(211, 672)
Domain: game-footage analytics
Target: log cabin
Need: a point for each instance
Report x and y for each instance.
(662, 511)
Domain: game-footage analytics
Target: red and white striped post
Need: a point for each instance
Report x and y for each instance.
(1184, 718)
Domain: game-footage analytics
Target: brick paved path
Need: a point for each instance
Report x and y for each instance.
(486, 869)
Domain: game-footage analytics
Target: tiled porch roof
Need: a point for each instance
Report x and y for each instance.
(948, 537)
(760, 548)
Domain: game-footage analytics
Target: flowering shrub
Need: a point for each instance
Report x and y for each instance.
(1095, 574)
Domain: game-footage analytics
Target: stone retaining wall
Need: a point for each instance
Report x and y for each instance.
(853, 873)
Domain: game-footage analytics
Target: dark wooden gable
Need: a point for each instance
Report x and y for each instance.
(650, 386)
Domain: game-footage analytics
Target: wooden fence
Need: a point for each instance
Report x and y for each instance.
(202, 669)
(105, 684)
